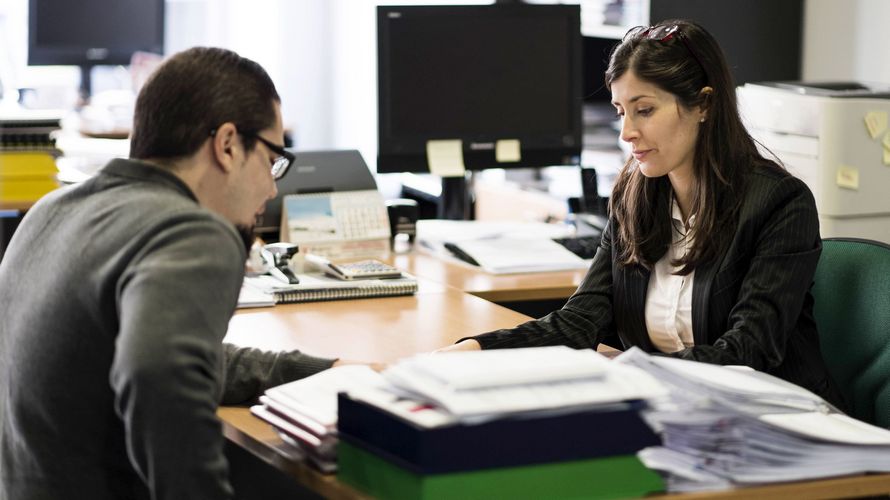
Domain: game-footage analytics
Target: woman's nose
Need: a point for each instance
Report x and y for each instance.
(628, 130)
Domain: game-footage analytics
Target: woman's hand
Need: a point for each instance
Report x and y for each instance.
(464, 345)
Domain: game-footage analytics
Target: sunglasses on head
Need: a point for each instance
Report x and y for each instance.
(664, 33)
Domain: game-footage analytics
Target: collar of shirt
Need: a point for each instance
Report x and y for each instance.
(668, 310)
(677, 219)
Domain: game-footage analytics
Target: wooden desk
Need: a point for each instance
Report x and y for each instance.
(493, 287)
(387, 329)
(16, 205)
(383, 330)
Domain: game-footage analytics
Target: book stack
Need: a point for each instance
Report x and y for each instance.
(304, 412)
(27, 158)
(522, 423)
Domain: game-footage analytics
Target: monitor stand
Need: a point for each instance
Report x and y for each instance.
(457, 201)
(86, 85)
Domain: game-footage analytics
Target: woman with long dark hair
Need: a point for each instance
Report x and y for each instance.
(711, 248)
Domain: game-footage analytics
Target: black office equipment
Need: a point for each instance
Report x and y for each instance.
(403, 214)
(9, 221)
(478, 74)
(590, 198)
(316, 172)
(87, 33)
(582, 246)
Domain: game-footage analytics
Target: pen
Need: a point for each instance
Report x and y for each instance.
(460, 254)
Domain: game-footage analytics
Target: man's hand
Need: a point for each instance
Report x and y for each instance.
(464, 345)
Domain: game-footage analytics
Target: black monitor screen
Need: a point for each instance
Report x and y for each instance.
(89, 32)
(479, 74)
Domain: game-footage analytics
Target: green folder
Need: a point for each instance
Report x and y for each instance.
(610, 477)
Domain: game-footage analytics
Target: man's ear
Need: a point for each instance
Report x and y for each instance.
(223, 144)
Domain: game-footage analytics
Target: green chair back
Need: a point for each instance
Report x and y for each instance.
(852, 309)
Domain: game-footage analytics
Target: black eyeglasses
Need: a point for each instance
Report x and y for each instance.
(664, 34)
(280, 164)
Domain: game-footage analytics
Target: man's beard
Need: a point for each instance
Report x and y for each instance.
(247, 236)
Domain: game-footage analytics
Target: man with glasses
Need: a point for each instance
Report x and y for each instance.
(117, 293)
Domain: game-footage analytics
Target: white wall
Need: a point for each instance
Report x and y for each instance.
(846, 39)
(322, 54)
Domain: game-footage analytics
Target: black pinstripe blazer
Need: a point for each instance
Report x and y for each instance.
(751, 305)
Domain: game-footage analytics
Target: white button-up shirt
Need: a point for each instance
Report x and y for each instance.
(669, 299)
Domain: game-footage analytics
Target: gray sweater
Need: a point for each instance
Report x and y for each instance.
(115, 296)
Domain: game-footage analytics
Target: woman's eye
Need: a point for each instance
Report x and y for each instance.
(645, 111)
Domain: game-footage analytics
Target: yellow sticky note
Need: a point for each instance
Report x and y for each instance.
(507, 150)
(445, 158)
(886, 142)
(876, 123)
(848, 177)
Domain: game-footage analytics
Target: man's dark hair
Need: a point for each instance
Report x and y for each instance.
(194, 92)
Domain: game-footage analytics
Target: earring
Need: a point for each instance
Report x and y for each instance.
(702, 119)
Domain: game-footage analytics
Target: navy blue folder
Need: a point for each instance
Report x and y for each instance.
(616, 429)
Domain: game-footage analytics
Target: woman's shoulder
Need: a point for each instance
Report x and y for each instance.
(770, 186)
(768, 178)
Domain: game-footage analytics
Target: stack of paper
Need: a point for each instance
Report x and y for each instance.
(304, 412)
(457, 425)
(517, 423)
(485, 384)
(503, 247)
(724, 427)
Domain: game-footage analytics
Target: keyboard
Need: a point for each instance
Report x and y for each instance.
(582, 246)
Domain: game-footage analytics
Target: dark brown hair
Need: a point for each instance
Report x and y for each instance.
(683, 64)
(194, 92)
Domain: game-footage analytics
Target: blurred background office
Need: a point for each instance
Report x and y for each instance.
(322, 55)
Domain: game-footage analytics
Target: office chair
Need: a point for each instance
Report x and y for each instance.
(852, 309)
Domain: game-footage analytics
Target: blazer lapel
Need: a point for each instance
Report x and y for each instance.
(637, 284)
(701, 293)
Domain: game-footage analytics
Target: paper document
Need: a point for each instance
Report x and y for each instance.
(316, 396)
(479, 369)
(835, 427)
(745, 391)
(521, 255)
(251, 296)
(503, 247)
(725, 426)
(585, 378)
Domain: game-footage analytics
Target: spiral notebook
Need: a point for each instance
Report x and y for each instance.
(315, 287)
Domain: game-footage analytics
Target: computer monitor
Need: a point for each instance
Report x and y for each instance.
(479, 74)
(86, 33)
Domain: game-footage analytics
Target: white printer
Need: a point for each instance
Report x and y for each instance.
(836, 138)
